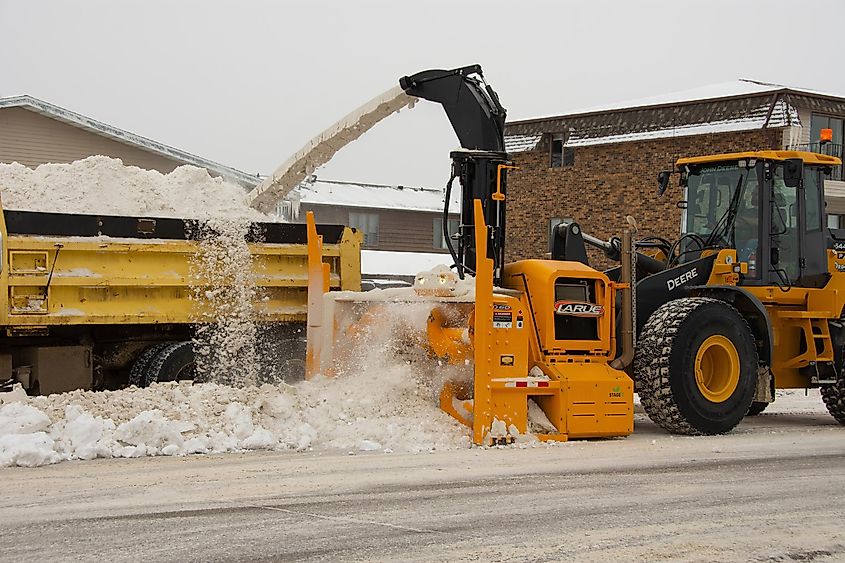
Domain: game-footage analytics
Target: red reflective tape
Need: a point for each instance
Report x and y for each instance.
(542, 384)
(522, 384)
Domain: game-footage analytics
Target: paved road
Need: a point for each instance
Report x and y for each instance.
(774, 490)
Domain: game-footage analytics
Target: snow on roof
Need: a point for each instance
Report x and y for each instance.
(720, 90)
(728, 89)
(351, 194)
(383, 262)
(127, 138)
(521, 143)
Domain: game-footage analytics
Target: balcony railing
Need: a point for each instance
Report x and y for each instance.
(830, 149)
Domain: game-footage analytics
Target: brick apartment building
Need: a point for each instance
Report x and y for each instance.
(597, 167)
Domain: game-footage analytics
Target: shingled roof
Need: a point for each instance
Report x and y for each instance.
(733, 106)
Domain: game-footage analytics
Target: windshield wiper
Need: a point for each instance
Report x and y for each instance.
(727, 219)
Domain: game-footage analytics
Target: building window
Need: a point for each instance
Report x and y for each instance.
(439, 239)
(561, 155)
(554, 222)
(367, 223)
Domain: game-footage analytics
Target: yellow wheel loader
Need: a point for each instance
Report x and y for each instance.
(747, 300)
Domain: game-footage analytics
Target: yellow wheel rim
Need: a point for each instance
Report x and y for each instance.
(717, 368)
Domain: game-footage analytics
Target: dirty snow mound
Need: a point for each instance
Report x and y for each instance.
(388, 411)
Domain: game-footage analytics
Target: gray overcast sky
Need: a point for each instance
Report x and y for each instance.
(248, 83)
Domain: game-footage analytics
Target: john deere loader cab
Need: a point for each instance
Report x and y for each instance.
(770, 211)
(750, 296)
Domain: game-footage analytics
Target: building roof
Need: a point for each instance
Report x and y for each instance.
(729, 106)
(317, 191)
(98, 127)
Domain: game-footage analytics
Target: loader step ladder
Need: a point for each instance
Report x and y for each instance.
(815, 331)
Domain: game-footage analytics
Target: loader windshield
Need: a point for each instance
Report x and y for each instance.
(723, 210)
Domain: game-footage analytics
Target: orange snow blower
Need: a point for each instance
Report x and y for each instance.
(546, 341)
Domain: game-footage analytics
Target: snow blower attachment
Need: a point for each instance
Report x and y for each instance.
(525, 347)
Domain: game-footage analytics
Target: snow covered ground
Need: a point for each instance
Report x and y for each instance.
(388, 410)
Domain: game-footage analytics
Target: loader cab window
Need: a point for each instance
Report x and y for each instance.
(785, 226)
(724, 211)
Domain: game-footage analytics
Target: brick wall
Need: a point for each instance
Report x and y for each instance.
(606, 183)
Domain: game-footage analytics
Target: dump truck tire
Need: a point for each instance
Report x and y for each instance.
(172, 363)
(138, 371)
(696, 365)
(756, 408)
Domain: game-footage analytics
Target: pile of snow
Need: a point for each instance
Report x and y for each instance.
(103, 185)
(383, 396)
(389, 411)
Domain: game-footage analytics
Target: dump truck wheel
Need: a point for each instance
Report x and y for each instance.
(756, 408)
(172, 363)
(138, 371)
(696, 365)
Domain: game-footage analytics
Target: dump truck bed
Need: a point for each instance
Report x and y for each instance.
(71, 269)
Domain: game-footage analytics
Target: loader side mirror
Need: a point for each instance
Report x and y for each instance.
(662, 181)
(792, 172)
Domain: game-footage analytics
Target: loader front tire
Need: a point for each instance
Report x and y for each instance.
(696, 366)
(756, 408)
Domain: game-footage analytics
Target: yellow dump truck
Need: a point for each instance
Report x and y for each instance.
(90, 301)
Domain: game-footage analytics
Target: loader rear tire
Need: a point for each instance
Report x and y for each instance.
(696, 366)
(834, 399)
(138, 371)
(174, 362)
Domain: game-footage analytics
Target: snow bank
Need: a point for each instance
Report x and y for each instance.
(387, 411)
(103, 185)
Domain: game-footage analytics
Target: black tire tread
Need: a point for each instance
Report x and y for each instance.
(651, 363)
(156, 366)
(833, 396)
(756, 408)
(138, 371)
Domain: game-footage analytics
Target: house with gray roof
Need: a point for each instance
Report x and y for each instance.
(34, 132)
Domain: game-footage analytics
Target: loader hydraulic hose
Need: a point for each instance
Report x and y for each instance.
(446, 235)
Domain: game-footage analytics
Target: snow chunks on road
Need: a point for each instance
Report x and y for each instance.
(396, 414)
